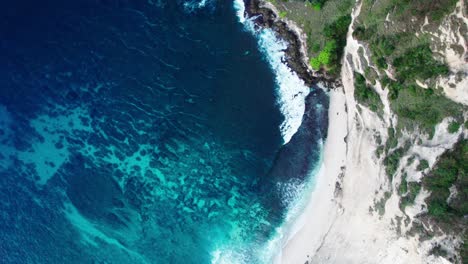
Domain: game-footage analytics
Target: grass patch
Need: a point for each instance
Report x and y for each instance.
(325, 22)
(330, 56)
(402, 11)
(326, 57)
(317, 4)
(423, 108)
(435, 9)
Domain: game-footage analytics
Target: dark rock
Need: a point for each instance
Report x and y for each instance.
(266, 18)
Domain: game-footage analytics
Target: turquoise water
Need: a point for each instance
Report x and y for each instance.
(148, 132)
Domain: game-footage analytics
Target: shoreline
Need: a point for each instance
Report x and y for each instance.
(266, 16)
(353, 213)
(322, 185)
(306, 233)
(312, 225)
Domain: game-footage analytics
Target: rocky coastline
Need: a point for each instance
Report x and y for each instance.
(296, 59)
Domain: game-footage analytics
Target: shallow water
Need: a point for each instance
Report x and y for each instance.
(146, 132)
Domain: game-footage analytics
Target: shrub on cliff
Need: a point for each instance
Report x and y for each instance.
(338, 30)
(419, 63)
(450, 170)
(453, 127)
(326, 57)
(434, 9)
(332, 52)
(422, 108)
(364, 94)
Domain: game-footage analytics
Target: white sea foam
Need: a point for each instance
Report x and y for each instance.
(291, 90)
(291, 93)
(295, 194)
(240, 10)
(196, 4)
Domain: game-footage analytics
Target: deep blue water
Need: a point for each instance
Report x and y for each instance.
(142, 132)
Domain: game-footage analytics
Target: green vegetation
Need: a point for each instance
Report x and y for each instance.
(404, 10)
(315, 48)
(408, 191)
(435, 9)
(403, 188)
(412, 60)
(413, 191)
(451, 169)
(393, 156)
(464, 247)
(325, 57)
(453, 127)
(337, 29)
(418, 63)
(365, 94)
(317, 4)
(392, 140)
(380, 47)
(423, 164)
(326, 23)
(392, 161)
(380, 205)
(379, 151)
(329, 57)
(423, 108)
(283, 14)
(398, 45)
(438, 251)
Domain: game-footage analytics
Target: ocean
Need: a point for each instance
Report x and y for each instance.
(150, 131)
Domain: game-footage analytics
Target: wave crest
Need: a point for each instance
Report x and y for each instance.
(194, 5)
(291, 90)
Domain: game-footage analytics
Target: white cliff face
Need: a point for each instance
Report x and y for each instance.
(341, 223)
(452, 44)
(358, 234)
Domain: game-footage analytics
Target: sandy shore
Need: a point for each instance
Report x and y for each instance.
(313, 225)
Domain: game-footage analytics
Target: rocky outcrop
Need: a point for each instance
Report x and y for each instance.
(265, 15)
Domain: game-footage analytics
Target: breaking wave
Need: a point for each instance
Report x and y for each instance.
(291, 90)
(291, 93)
(193, 5)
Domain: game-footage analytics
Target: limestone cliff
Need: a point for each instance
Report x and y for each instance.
(401, 191)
